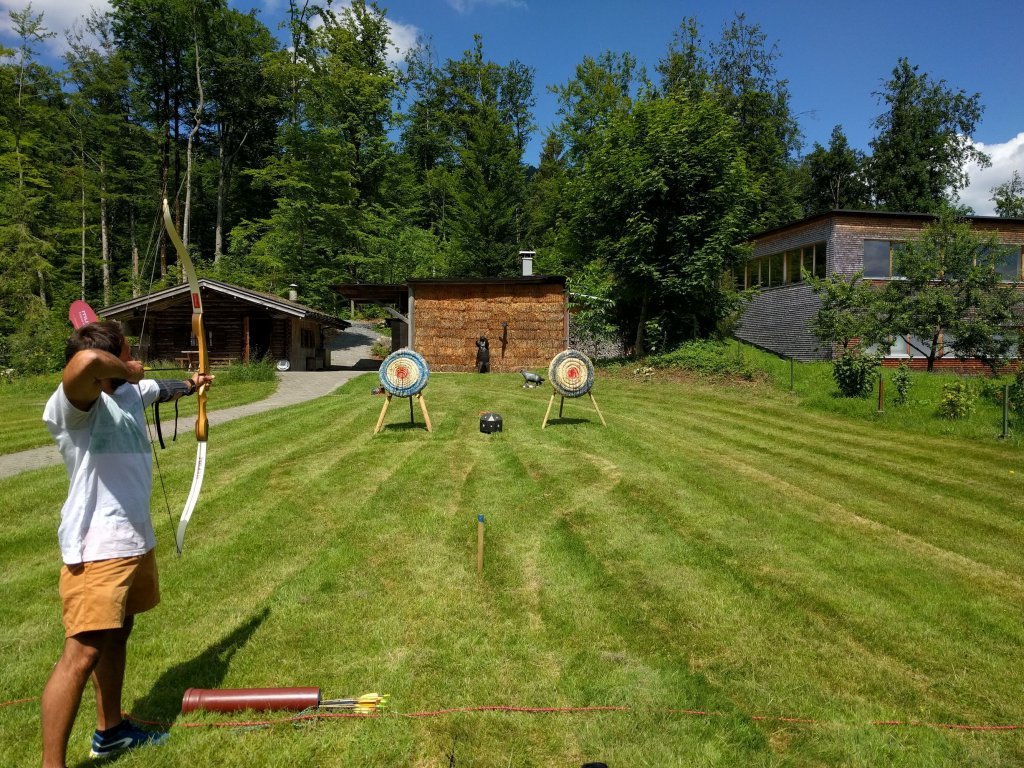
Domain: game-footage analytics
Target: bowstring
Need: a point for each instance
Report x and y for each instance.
(152, 251)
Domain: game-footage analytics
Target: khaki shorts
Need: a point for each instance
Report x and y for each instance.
(101, 594)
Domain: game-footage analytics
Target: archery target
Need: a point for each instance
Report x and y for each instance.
(404, 373)
(571, 373)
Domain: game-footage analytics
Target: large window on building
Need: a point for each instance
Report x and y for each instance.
(785, 267)
(880, 258)
(793, 266)
(876, 258)
(775, 270)
(815, 260)
(1008, 264)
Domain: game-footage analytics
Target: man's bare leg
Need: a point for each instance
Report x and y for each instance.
(63, 693)
(108, 675)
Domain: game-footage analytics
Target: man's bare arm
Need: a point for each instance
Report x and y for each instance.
(88, 369)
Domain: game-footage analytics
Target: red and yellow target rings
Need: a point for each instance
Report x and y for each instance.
(404, 373)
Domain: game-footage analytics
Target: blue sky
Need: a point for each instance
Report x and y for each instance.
(835, 55)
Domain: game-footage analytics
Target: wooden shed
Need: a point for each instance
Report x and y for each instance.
(525, 319)
(241, 325)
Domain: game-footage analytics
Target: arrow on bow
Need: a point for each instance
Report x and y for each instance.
(202, 424)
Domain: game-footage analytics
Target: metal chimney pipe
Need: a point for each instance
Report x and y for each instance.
(293, 292)
(526, 259)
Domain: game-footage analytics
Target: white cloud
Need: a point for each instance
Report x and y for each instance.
(58, 16)
(1006, 158)
(403, 38)
(466, 6)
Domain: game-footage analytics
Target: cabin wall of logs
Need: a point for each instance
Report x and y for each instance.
(236, 332)
(449, 318)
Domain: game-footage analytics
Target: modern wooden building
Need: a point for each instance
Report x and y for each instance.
(241, 325)
(525, 319)
(778, 317)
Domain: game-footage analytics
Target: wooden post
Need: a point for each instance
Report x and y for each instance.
(426, 416)
(1006, 411)
(245, 333)
(548, 412)
(597, 409)
(480, 544)
(881, 392)
(380, 420)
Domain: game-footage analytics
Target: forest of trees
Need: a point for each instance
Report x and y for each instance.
(314, 160)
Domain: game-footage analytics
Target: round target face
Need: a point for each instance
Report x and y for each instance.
(404, 373)
(571, 373)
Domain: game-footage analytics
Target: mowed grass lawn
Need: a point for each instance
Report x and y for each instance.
(23, 400)
(715, 548)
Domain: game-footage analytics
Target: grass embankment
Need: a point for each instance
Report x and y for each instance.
(22, 401)
(812, 385)
(715, 548)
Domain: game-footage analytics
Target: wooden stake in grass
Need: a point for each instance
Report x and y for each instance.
(480, 544)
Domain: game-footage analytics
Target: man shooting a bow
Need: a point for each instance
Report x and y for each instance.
(106, 537)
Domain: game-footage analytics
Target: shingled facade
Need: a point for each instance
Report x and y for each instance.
(839, 243)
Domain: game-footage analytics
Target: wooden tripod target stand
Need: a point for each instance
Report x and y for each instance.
(404, 374)
(562, 404)
(412, 418)
(571, 375)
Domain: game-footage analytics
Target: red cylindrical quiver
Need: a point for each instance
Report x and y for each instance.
(259, 699)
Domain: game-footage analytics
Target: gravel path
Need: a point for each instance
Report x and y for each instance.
(350, 357)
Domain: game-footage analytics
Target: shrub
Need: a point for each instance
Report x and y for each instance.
(957, 400)
(703, 356)
(990, 390)
(855, 373)
(1017, 391)
(380, 348)
(259, 370)
(901, 383)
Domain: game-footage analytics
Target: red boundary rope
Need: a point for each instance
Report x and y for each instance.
(545, 711)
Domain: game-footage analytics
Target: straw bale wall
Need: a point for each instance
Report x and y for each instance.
(449, 319)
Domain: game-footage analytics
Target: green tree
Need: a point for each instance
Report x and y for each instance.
(485, 226)
(850, 312)
(547, 208)
(850, 318)
(740, 71)
(464, 134)
(923, 145)
(744, 77)
(663, 200)
(31, 175)
(600, 93)
(331, 178)
(1009, 197)
(951, 295)
(602, 89)
(117, 161)
(835, 177)
(246, 104)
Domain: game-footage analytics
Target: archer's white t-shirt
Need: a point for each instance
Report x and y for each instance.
(107, 454)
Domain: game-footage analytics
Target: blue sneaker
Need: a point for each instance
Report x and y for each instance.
(122, 737)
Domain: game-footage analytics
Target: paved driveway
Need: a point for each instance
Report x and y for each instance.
(350, 349)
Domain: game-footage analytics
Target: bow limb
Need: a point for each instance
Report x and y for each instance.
(199, 331)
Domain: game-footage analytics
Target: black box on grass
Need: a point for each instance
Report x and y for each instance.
(490, 422)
